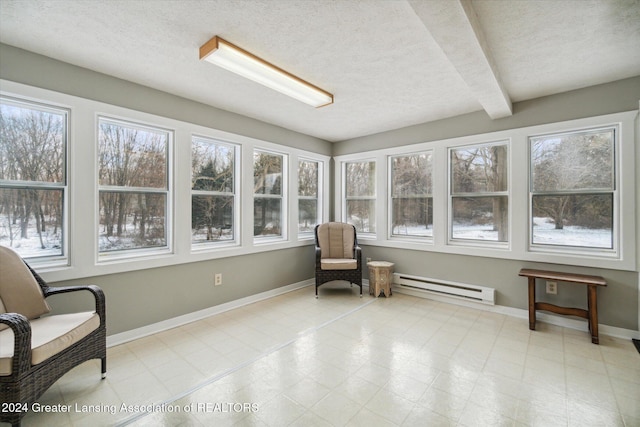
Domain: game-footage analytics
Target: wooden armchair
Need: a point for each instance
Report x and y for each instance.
(338, 256)
(36, 349)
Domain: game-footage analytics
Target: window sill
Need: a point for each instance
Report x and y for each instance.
(564, 258)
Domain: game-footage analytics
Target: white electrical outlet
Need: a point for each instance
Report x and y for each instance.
(218, 279)
(552, 287)
(368, 260)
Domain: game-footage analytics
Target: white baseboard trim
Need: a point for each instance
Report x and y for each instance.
(133, 334)
(580, 325)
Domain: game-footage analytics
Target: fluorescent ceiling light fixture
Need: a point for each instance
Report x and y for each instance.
(230, 57)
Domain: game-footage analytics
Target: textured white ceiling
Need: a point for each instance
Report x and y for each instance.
(389, 64)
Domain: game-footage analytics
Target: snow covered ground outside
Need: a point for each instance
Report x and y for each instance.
(544, 233)
(31, 246)
(417, 230)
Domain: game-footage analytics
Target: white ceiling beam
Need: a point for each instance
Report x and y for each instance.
(454, 26)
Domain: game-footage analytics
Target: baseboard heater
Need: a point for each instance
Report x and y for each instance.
(445, 288)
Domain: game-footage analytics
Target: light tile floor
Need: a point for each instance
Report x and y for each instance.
(343, 360)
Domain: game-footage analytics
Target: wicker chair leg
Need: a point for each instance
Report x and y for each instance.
(104, 367)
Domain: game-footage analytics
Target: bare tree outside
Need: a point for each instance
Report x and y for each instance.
(361, 195)
(411, 195)
(32, 178)
(267, 194)
(133, 186)
(307, 195)
(479, 191)
(572, 188)
(213, 191)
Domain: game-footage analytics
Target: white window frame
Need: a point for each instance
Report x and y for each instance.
(109, 256)
(478, 242)
(318, 198)
(236, 194)
(391, 197)
(345, 198)
(283, 197)
(39, 104)
(577, 250)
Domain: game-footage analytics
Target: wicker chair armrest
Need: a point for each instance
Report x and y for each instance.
(21, 341)
(97, 292)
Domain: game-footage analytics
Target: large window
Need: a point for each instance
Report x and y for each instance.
(411, 195)
(268, 194)
(133, 182)
(33, 144)
(213, 191)
(572, 189)
(308, 190)
(360, 190)
(479, 193)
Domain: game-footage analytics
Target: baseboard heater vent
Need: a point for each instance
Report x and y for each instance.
(445, 288)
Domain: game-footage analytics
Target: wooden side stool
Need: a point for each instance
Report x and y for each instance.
(592, 283)
(380, 277)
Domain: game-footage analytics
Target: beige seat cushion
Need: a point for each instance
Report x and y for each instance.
(336, 240)
(338, 264)
(49, 336)
(19, 291)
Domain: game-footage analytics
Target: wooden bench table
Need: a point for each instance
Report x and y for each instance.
(592, 283)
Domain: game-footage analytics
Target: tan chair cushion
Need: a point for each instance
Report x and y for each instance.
(336, 240)
(338, 264)
(19, 291)
(49, 336)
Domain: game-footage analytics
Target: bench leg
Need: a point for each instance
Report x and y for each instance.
(592, 301)
(532, 303)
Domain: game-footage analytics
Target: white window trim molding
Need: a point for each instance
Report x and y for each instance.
(518, 248)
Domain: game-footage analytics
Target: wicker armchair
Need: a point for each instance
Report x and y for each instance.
(36, 350)
(338, 256)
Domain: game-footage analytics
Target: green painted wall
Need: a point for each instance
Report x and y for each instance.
(140, 298)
